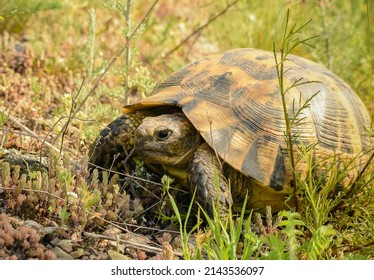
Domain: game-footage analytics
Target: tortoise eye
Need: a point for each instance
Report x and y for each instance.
(164, 134)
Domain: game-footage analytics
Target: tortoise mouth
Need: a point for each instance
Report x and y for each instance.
(162, 155)
(152, 153)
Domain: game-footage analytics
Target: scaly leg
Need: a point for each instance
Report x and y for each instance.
(204, 175)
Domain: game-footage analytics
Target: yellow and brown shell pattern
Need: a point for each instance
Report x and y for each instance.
(233, 100)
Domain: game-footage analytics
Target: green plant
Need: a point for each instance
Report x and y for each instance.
(289, 42)
(135, 85)
(319, 191)
(291, 242)
(225, 235)
(185, 232)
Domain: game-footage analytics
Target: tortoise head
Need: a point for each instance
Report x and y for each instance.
(168, 139)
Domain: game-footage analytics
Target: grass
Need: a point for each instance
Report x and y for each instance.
(68, 48)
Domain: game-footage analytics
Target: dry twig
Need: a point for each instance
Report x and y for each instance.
(200, 28)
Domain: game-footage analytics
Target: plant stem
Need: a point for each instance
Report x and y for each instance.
(280, 73)
(200, 28)
(100, 78)
(91, 39)
(128, 49)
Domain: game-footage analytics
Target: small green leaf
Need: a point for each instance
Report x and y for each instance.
(320, 241)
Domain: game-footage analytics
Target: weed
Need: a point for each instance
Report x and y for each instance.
(185, 232)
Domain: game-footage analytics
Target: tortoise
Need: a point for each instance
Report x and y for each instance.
(218, 126)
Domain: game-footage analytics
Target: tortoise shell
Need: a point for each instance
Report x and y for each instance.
(233, 100)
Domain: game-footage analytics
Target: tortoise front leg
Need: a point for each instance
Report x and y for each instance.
(114, 143)
(204, 175)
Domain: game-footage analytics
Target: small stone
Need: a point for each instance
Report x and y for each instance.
(113, 255)
(66, 245)
(112, 232)
(61, 254)
(77, 253)
(56, 241)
